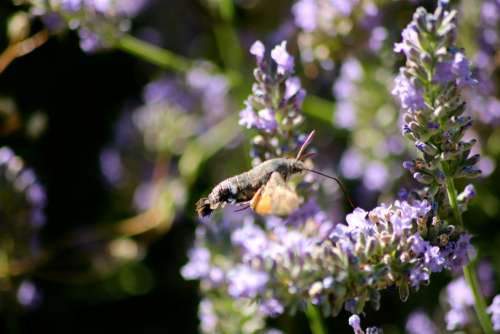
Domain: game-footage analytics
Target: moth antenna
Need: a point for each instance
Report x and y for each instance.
(307, 155)
(306, 143)
(341, 185)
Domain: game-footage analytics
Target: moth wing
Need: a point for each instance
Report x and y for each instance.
(260, 201)
(276, 197)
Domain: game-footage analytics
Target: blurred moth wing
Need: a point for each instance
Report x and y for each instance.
(276, 197)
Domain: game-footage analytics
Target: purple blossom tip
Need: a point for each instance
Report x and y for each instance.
(355, 323)
(282, 58)
(258, 50)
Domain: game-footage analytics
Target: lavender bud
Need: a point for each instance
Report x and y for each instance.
(404, 291)
(468, 172)
(423, 178)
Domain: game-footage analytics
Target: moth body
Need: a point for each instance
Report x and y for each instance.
(242, 188)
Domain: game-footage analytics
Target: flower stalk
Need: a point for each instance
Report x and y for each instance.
(429, 88)
(153, 54)
(469, 270)
(315, 320)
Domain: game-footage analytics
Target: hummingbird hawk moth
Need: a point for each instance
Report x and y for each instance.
(263, 188)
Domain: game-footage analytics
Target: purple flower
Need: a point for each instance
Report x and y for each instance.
(458, 253)
(208, 318)
(418, 245)
(345, 115)
(28, 294)
(251, 238)
(282, 58)
(266, 120)
(292, 87)
(89, 41)
(419, 323)
(246, 282)
(212, 89)
(199, 264)
(345, 7)
(410, 40)
(456, 318)
(376, 176)
(355, 323)
(468, 194)
(459, 297)
(457, 70)
(418, 274)
(263, 119)
(248, 117)
(304, 12)
(494, 310)
(434, 259)
(485, 275)
(258, 50)
(111, 165)
(410, 97)
(352, 164)
(377, 37)
(272, 307)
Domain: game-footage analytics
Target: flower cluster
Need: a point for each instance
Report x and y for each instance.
(176, 109)
(99, 23)
(364, 106)
(329, 28)
(274, 107)
(484, 102)
(173, 110)
(307, 259)
(286, 263)
(222, 277)
(21, 217)
(429, 87)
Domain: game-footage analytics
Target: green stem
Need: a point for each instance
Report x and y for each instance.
(479, 302)
(315, 320)
(154, 54)
(166, 59)
(452, 197)
(469, 270)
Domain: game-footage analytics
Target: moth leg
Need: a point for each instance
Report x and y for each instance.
(243, 208)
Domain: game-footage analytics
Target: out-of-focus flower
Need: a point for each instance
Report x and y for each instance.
(460, 299)
(332, 29)
(494, 310)
(419, 323)
(21, 217)
(28, 294)
(99, 23)
(364, 107)
(484, 102)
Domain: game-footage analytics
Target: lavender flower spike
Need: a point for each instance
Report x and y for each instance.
(274, 107)
(429, 93)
